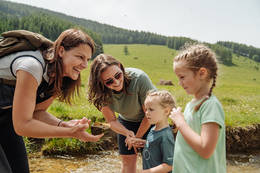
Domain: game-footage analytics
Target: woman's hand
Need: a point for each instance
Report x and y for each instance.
(177, 117)
(75, 122)
(130, 134)
(137, 142)
(79, 132)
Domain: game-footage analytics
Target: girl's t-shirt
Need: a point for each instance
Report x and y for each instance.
(186, 160)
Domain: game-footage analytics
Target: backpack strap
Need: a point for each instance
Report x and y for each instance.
(8, 88)
(7, 93)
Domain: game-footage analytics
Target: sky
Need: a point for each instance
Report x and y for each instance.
(203, 20)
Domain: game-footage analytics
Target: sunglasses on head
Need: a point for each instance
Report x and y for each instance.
(110, 81)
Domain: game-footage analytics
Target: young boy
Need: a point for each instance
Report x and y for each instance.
(157, 154)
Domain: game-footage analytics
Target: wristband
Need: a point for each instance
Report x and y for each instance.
(59, 123)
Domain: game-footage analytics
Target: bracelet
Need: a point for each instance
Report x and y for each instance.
(59, 123)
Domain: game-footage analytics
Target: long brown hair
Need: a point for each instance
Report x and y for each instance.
(64, 87)
(197, 56)
(98, 93)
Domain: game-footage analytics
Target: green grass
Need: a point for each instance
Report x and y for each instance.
(238, 86)
(238, 89)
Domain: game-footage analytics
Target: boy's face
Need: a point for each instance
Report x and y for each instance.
(155, 113)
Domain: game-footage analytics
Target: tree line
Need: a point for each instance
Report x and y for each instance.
(50, 24)
(242, 49)
(47, 25)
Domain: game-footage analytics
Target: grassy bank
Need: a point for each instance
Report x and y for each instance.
(238, 86)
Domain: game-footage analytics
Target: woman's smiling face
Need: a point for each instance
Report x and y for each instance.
(75, 60)
(113, 78)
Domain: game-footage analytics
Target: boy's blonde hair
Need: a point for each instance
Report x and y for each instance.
(165, 98)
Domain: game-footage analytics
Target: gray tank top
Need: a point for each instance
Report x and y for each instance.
(29, 61)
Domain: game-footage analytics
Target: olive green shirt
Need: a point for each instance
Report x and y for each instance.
(129, 106)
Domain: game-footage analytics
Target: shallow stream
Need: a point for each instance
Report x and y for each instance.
(109, 162)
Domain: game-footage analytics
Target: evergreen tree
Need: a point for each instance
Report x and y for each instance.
(126, 50)
(256, 58)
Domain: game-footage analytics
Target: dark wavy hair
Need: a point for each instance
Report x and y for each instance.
(98, 93)
(65, 88)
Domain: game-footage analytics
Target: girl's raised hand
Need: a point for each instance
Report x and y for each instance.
(177, 117)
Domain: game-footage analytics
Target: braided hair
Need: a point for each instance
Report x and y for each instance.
(197, 56)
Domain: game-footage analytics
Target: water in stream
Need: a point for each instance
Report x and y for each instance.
(109, 162)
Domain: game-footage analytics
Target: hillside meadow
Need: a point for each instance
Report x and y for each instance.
(238, 89)
(238, 86)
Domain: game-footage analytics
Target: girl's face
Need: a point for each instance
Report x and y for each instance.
(190, 81)
(154, 112)
(75, 60)
(113, 78)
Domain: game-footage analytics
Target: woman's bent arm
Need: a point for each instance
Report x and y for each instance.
(144, 126)
(24, 109)
(115, 125)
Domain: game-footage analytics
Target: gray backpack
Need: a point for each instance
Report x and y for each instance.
(15, 41)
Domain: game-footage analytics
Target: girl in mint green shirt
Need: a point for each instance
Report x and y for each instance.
(200, 143)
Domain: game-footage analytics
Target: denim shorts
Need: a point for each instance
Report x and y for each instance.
(133, 126)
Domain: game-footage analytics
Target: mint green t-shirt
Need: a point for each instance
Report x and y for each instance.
(129, 106)
(186, 160)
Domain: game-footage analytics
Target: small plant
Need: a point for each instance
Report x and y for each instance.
(69, 146)
(228, 101)
(126, 50)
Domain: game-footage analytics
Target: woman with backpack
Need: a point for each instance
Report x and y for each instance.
(29, 82)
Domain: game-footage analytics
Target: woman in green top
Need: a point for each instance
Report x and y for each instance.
(113, 88)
